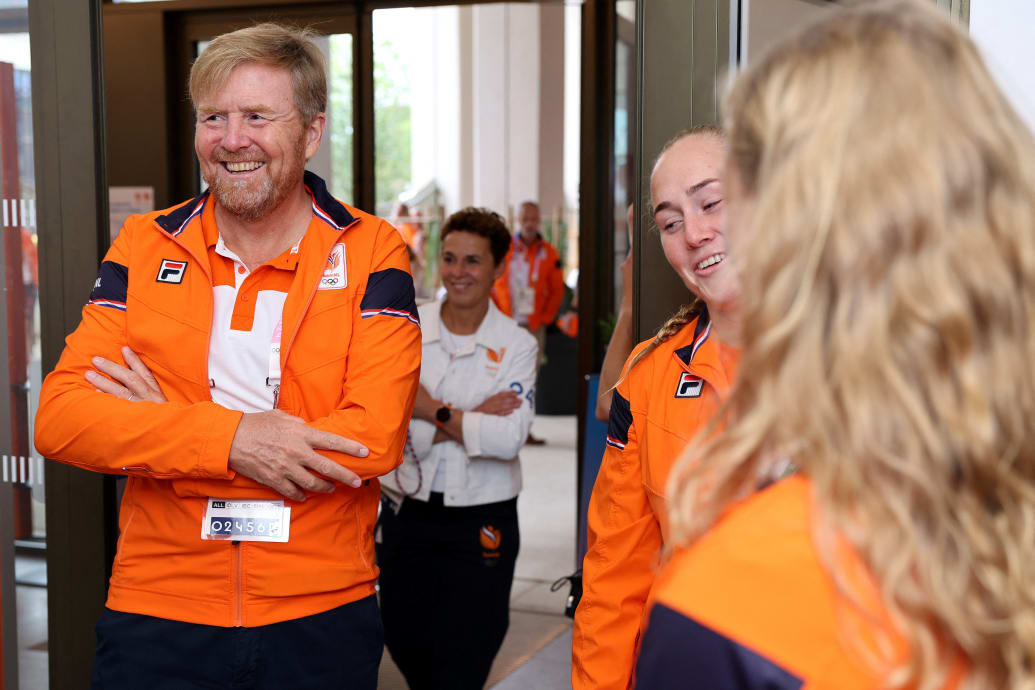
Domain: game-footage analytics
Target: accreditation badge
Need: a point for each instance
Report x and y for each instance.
(246, 520)
(524, 302)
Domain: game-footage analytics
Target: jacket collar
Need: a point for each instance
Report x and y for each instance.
(519, 242)
(430, 325)
(324, 205)
(707, 358)
(702, 332)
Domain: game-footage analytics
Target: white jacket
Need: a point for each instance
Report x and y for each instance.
(485, 468)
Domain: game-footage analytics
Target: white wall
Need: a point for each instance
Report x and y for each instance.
(521, 38)
(495, 111)
(572, 102)
(1005, 32)
(490, 116)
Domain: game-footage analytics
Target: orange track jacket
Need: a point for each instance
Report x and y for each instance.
(350, 360)
(751, 604)
(656, 409)
(544, 275)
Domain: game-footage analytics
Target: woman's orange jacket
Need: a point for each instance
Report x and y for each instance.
(658, 406)
(350, 360)
(752, 603)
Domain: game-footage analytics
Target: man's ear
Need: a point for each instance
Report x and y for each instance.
(314, 135)
(499, 269)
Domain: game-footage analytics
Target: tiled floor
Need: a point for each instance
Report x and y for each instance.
(32, 637)
(548, 670)
(535, 653)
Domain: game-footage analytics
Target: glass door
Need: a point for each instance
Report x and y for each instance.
(23, 585)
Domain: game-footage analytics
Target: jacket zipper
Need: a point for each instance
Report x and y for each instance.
(238, 577)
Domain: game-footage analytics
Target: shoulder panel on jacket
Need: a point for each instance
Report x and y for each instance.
(390, 293)
(619, 421)
(110, 288)
(678, 652)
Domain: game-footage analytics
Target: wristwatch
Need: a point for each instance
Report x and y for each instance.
(443, 415)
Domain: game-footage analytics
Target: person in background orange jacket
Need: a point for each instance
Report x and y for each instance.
(272, 353)
(889, 333)
(671, 386)
(531, 288)
(532, 285)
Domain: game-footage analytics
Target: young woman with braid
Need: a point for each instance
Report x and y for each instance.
(882, 203)
(670, 387)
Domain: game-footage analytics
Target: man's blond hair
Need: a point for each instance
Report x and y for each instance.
(270, 44)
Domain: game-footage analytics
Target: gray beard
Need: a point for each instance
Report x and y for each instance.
(251, 206)
(248, 205)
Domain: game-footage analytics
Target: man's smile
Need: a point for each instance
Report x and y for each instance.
(243, 166)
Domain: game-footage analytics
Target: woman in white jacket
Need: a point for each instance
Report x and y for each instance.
(449, 547)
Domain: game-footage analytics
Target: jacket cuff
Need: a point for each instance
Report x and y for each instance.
(472, 428)
(214, 457)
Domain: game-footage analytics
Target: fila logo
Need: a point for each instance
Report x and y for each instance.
(335, 277)
(689, 386)
(171, 271)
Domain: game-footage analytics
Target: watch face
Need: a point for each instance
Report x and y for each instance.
(443, 414)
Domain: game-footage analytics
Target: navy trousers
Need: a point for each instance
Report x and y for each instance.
(446, 574)
(340, 648)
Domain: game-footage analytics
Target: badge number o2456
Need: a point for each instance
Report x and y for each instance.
(246, 520)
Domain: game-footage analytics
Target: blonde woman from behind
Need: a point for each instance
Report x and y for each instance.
(882, 207)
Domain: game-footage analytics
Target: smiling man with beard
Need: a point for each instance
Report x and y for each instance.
(250, 360)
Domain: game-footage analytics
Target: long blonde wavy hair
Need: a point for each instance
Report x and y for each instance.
(886, 241)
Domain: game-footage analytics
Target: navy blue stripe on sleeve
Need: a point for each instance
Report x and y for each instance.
(679, 652)
(109, 290)
(618, 422)
(390, 293)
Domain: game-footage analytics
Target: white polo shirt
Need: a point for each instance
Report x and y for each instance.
(485, 468)
(244, 345)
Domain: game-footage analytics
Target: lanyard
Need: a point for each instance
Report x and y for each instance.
(273, 380)
(533, 275)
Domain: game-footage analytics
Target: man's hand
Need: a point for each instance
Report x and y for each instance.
(278, 450)
(133, 383)
(500, 404)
